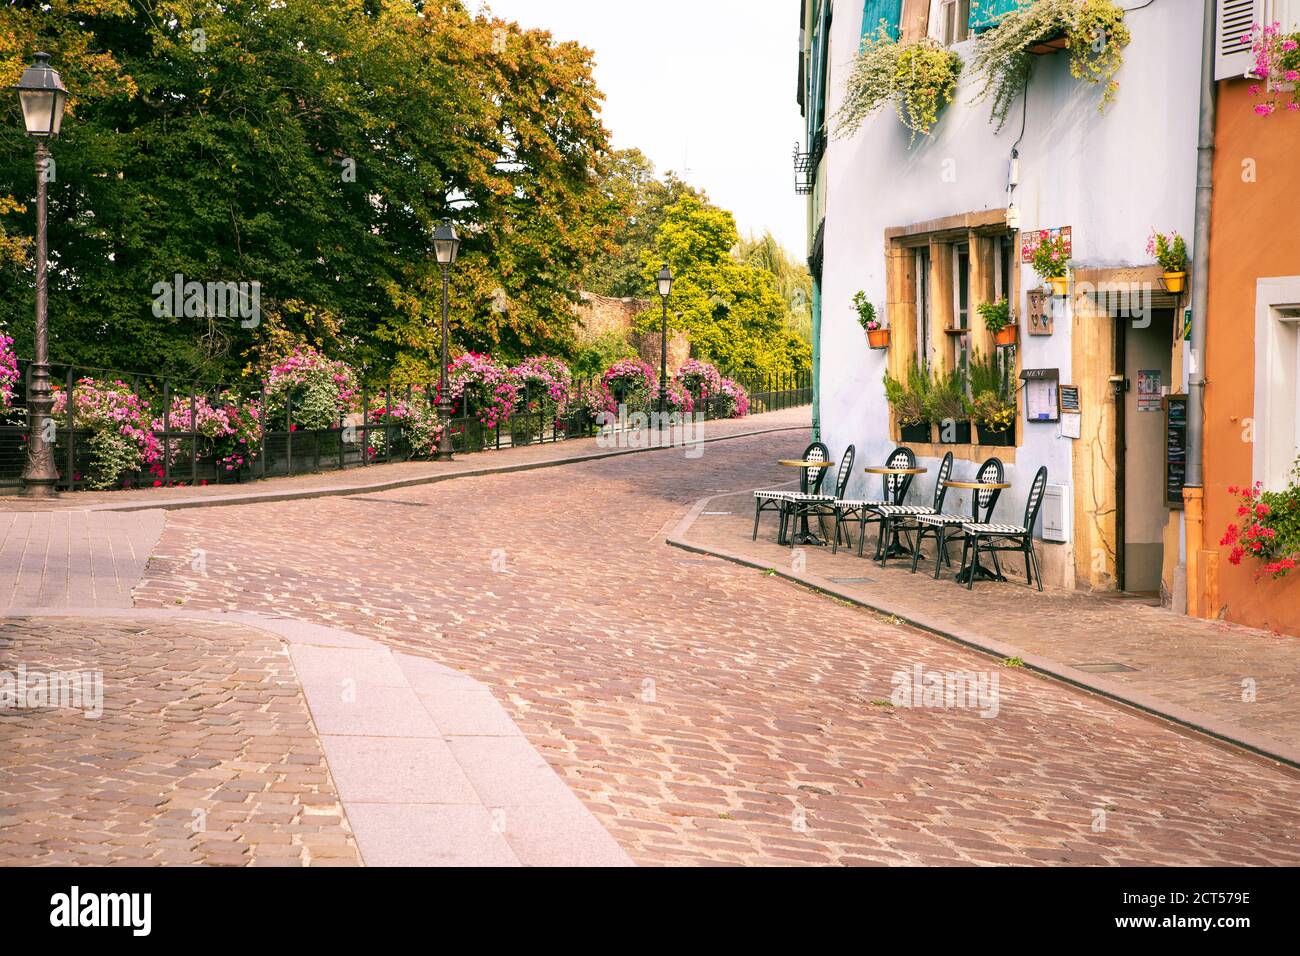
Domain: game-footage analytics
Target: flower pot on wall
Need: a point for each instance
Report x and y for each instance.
(1174, 281)
(878, 338)
(920, 432)
(1060, 285)
(1005, 438)
(1048, 47)
(1007, 335)
(954, 432)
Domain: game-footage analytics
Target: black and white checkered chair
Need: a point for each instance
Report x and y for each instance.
(775, 499)
(864, 510)
(946, 526)
(900, 519)
(994, 538)
(815, 504)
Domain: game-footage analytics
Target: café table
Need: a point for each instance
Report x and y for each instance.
(895, 549)
(976, 486)
(803, 535)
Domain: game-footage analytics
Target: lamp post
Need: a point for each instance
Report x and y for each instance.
(664, 280)
(42, 96)
(446, 245)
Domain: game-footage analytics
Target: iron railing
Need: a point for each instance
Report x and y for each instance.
(187, 457)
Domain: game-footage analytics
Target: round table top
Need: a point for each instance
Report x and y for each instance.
(885, 470)
(978, 485)
(800, 463)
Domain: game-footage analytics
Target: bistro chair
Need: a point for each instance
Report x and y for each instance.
(807, 505)
(863, 511)
(899, 518)
(946, 526)
(774, 499)
(992, 538)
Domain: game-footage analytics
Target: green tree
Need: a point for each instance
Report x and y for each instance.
(732, 311)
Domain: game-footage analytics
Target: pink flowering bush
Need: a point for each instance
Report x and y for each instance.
(1268, 527)
(701, 379)
(229, 433)
(417, 415)
(321, 390)
(8, 371)
(630, 382)
(481, 385)
(676, 399)
(733, 400)
(121, 436)
(1276, 60)
(544, 385)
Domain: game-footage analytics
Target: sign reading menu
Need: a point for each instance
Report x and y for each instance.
(1175, 449)
(1041, 403)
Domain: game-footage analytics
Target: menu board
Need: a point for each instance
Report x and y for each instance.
(1175, 449)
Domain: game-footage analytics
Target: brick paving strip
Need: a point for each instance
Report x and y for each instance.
(1186, 670)
(293, 743)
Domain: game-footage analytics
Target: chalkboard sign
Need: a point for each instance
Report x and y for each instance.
(1175, 449)
(1070, 399)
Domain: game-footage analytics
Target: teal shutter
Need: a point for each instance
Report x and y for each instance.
(891, 11)
(984, 14)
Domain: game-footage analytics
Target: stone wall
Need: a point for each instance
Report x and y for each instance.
(599, 315)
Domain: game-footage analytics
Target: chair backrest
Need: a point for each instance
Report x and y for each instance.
(941, 482)
(990, 473)
(896, 485)
(845, 472)
(811, 479)
(1035, 501)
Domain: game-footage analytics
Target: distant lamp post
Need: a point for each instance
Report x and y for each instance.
(42, 96)
(664, 280)
(446, 246)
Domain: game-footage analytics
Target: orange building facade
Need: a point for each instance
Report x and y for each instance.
(1252, 414)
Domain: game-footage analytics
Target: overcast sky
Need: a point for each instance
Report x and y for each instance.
(701, 86)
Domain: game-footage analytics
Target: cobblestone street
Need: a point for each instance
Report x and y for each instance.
(707, 712)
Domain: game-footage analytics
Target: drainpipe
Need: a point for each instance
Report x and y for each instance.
(816, 360)
(1194, 484)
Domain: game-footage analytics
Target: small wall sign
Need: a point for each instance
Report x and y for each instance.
(1070, 399)
(1040, 315)
(1175, 449)
(1031, 240)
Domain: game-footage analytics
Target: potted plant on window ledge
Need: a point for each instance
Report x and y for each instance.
(877, 335)
(993, 402)
(908, 401)
(1052, 263)
(997, 319)
(1170, 251)
(946, 404)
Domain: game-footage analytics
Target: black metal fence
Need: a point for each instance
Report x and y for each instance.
(368, 436)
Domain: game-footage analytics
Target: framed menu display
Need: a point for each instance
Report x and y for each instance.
(1175, 449)
(1041, 402)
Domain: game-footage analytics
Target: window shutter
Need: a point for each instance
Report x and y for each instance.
(1232, 58)
(874, 11)
(985, 14)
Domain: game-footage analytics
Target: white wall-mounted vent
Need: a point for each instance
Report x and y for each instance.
(1056, 513)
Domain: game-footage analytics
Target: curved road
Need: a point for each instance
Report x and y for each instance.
(710, 713)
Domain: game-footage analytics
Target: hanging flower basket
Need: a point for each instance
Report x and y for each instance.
(1174, 281)
(1060, 285)
(1048, 47)
(878, 338)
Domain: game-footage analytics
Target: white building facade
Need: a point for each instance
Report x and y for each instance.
(930, 229)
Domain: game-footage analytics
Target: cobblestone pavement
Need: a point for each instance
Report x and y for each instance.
(204, 752)
(1248, 679)
(708, 713)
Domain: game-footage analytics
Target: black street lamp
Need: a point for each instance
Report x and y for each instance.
(446, 245)
(42, 96)
(664, 280)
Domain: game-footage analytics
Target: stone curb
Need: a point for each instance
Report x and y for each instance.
(212, 501)
(1219, 731)
(429, 768)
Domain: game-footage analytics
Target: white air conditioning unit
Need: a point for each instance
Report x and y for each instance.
(1056, 513)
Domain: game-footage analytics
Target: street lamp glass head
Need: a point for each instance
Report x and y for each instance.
(665, 281)
(446, 244)
(43, 96)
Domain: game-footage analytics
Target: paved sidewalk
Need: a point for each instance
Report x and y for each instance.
(376, 478)
(233, 739)
(77, 558)
(1230, 681)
